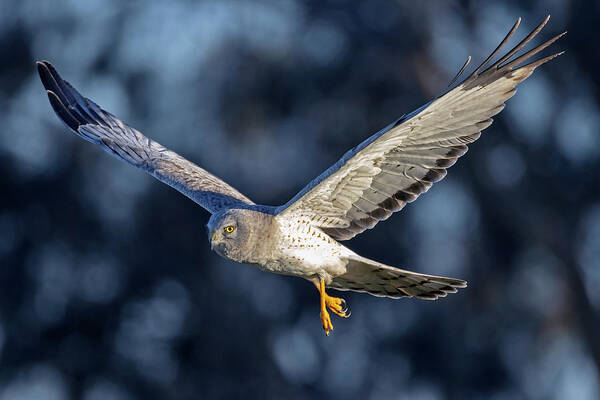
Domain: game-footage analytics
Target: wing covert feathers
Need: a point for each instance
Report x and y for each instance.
(396, 165)
(92, 123)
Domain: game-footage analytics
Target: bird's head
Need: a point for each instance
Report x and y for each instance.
(234, 234)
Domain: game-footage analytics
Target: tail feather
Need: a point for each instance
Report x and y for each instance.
(364, 275)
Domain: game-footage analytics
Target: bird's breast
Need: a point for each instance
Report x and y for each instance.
(303, 250)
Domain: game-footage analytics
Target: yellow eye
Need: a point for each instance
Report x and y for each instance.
(229, 228)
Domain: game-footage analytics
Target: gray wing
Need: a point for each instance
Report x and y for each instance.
(397, 164)
(95, 125)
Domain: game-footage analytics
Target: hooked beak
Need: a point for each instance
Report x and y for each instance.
(217, 245)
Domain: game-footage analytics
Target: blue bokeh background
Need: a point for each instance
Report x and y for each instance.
(108, 289)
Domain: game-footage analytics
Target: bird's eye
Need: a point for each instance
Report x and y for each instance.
(229, 228)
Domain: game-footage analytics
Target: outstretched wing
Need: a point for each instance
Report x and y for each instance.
(397, 164)
(95, 125)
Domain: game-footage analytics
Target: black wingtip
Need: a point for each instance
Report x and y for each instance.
(460, 71)
(52, 71)
(71, 101)
(43, 66)
(44, 73)
(40, 65)
(510, 33)
(62, 112)
(49, 77)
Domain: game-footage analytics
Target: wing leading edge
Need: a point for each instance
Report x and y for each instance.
(402, 161)
(92, 123)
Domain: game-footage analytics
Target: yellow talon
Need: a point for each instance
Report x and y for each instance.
(335, 304)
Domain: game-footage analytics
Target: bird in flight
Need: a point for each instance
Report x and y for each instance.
(369, 183)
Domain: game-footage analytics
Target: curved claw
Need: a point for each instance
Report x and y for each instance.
(345, 309)
(338, 306)
(344, 306)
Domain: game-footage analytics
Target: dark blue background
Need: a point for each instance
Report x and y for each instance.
(108, 289)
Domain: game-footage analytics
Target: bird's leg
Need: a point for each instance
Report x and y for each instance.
(325, 320)
(335, 304)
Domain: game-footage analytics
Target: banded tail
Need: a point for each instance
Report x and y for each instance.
(368, 276)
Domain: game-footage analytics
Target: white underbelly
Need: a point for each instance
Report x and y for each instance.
(307, 263)
(307, 252)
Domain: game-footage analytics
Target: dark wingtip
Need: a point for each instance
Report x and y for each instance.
(460, 72)
(66, 101)
(42, 65)
(41, 62)
(62, 112)
(45, 71)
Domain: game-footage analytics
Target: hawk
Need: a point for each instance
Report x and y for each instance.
(369, 183)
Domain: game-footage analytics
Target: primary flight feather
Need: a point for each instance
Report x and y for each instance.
(369, 183)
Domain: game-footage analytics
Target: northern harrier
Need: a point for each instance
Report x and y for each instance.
(370, 182)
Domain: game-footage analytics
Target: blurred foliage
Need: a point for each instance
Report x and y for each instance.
(108, 289)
